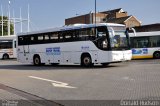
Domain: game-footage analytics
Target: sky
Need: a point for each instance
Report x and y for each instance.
(52, 13)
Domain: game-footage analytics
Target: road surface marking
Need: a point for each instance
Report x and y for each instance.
(54, 83)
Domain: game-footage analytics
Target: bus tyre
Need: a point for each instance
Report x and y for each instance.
(36, 61)
(5, 56)
(156, 55)
(86, 61)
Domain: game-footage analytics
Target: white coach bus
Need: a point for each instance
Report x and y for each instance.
(84, 44)
(145, 45)
(8, 47)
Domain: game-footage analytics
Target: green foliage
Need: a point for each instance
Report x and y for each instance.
(5, 26)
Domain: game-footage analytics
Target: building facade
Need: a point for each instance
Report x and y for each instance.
(86, 19)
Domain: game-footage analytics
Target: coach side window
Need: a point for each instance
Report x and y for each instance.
(67, 36)
(92, 35)
(84, 34)
(101, 31)
(102, 40)
(46, 37)
(60, 37)
(54, 37)
(40, 38)
(32, 40)
(75, 35)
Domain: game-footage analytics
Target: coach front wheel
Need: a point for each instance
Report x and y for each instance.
(86, 61)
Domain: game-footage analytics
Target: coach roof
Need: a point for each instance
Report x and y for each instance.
(70, 27)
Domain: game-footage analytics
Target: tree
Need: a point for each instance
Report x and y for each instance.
(5, 26)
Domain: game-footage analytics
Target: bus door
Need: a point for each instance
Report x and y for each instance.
(22, 48)
(14, 49)
(26, 45)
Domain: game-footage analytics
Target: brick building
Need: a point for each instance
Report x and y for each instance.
(86, 19)
(112, 16)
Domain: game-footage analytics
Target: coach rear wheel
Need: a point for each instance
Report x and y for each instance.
(36, 61)
(5, 56)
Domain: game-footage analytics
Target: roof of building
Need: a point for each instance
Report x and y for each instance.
(118, 20)
(148, 28)
(113, 11)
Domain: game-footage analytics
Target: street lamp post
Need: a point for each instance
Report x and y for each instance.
(28, 18)
(95, 17)
(2, 19)
(9, 18)
(95, 10)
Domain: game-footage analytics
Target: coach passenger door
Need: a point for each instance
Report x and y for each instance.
(14, 48)
(26, 45)
(22, 48)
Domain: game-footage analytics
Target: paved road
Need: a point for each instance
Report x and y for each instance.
(134, 80)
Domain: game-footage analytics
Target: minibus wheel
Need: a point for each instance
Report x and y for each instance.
(36, 60)
(156, 55)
